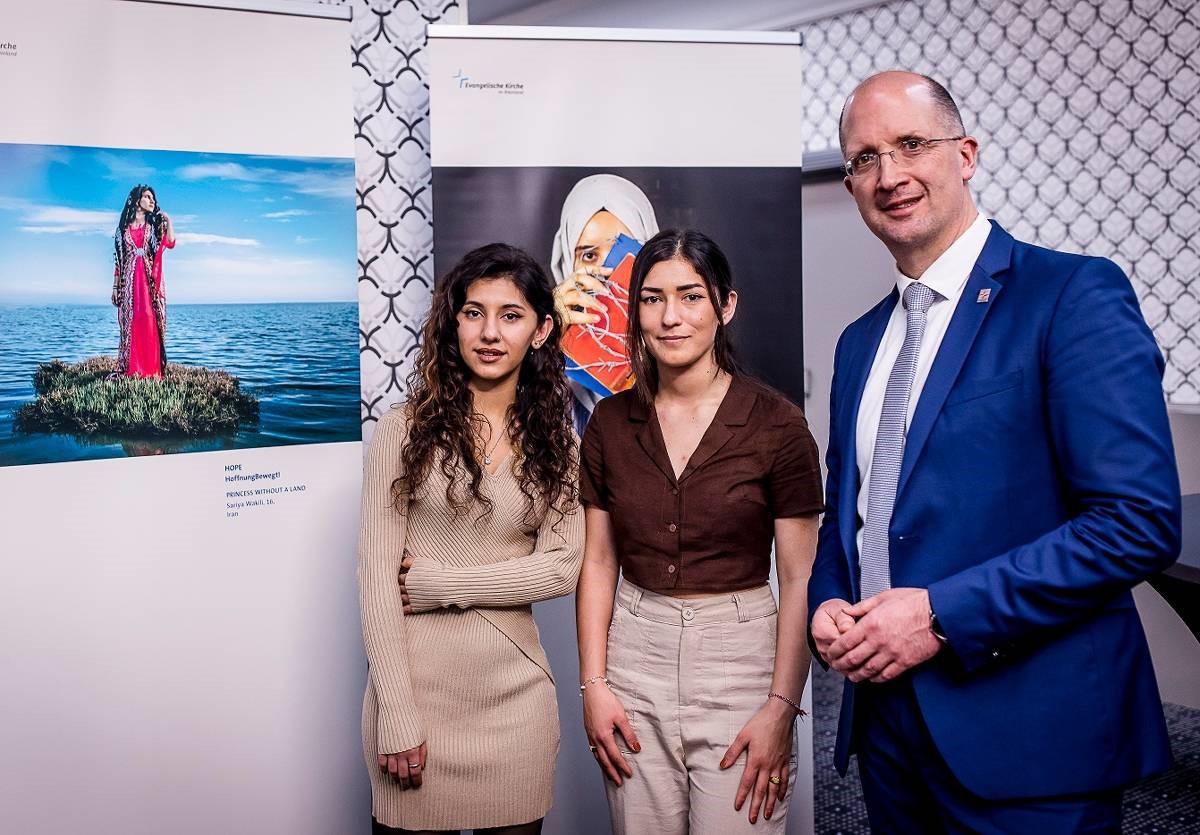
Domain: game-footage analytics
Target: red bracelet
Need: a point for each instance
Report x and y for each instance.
(786, 700)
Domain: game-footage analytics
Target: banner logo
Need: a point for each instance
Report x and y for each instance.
(509, 88)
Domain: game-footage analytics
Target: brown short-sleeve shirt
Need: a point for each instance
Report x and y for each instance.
(711, 529)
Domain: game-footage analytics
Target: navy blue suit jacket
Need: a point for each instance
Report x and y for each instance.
(1038, 487)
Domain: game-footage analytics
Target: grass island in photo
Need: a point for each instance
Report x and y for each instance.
(86, 398)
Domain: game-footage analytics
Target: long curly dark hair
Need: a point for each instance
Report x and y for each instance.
(443, 424)
(128, 213)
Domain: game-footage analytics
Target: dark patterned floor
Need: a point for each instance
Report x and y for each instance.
(1169, 803)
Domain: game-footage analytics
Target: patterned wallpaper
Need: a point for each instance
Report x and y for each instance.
(1086, 113)
(395, 217)
(1085, 110)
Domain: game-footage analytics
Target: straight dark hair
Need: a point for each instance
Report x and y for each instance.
(703, 255)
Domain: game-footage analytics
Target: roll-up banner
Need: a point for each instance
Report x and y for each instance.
(180, 449)
(536, 131)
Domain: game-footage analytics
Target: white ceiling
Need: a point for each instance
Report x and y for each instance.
(763, 15)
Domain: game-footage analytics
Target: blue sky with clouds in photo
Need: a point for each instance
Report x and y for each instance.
(250, 228)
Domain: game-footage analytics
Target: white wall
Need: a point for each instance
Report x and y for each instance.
(846, 271)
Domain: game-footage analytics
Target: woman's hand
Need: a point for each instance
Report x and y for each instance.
(767, 741)
(576, 292)
(116, 300)
(405, 564)
(602, 715)
(166, 229)
(406, 768)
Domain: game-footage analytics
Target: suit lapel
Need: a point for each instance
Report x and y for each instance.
(956, 345)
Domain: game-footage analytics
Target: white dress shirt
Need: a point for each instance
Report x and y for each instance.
(946, 276)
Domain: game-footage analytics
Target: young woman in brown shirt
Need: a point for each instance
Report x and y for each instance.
(688, 703)
(469, 515)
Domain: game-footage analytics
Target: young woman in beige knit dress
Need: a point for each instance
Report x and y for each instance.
(470, 513)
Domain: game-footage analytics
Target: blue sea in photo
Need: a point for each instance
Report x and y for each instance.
(299, 359)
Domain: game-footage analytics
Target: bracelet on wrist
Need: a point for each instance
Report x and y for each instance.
(584, 684)
(795, 705)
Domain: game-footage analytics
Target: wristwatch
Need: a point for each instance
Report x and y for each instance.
(936, 628)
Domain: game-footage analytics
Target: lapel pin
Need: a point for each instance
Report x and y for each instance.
(984, 295)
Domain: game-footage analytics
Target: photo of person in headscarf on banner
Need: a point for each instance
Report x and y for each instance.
(605, 220)
(587, 224)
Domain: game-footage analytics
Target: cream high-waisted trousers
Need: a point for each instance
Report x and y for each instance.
(690, 674)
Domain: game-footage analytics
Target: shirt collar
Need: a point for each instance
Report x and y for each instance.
(733, 411)
(948, 274)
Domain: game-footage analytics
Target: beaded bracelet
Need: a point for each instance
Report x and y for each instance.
(799, 710)
(592, 680)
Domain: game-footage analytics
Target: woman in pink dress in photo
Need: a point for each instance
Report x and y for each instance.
(143, 232)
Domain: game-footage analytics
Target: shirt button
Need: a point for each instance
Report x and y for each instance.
(688, 613)
(670, 569)
(674, 491)
(672, 527)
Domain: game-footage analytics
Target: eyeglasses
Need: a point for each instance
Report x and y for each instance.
(909, 150)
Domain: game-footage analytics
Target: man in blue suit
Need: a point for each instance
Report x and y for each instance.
(1001, 475)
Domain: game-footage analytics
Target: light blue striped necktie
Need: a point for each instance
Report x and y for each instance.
(889, 445)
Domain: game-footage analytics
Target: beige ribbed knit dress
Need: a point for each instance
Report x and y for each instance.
(466, 673)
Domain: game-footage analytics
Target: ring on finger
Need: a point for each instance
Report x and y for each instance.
(414, 765)
(776, 779)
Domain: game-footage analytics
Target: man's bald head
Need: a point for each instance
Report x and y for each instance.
(939, 96)
(915, 198)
